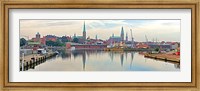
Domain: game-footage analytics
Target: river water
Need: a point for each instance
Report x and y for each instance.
(104, 61)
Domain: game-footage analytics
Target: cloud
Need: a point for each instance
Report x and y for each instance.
(104, 28)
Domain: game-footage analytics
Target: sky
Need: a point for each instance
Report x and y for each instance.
(162, 30)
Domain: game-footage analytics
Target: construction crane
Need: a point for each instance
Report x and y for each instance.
(132, 39)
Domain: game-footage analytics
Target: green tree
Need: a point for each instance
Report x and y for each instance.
(64, 39)
(23, 42)
(54, 43)
(157, 49)
(75, 40)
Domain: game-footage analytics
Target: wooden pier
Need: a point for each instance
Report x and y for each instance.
(165, 57)
(33, 60)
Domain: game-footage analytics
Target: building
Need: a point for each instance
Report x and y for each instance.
(117, 39)
(114, 39)
(142, 45)
(160, 46)
(174, 45)
(37, 38)
(51, 38)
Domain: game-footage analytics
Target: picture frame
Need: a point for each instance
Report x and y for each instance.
(6, 5)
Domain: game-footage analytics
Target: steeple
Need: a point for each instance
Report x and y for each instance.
(84, 31)
(84, 27)
(122, 30)
(122, 34)
(113, 35)
(96, 37)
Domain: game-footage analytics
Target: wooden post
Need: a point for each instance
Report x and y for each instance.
(26, 65)
(31, 64)
(23, 61)
(36, 61)
(39, 60)
(23, 67)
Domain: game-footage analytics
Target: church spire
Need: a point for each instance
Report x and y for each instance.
(122, 34)
(96, 37)
(84, 31)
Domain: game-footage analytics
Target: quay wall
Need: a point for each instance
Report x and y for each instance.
(31, 63)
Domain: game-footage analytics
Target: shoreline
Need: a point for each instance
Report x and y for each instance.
(165, 57)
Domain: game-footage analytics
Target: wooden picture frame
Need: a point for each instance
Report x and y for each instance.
(4, 56)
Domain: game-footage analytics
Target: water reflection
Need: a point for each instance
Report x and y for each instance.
(84, 59)
(132, 56)
(94, 60)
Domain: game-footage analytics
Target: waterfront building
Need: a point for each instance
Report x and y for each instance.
(26, 51)
(174, 45)
(34, 45)
(165, 47)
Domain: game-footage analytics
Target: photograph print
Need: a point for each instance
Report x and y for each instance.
(100, 45)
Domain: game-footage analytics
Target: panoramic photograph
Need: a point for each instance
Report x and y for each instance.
(99, 45)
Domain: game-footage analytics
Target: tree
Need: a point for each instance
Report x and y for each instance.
(54, 43)
(64, 39)
(50, 43)
(23, 42)
(75, 40)
(157, 49)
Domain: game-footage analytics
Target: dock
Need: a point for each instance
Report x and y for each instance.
(164, 57)
(30, 61)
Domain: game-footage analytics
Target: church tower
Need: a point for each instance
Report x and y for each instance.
(122, 34)
(38, 36)
(84, 31)
(96, 37)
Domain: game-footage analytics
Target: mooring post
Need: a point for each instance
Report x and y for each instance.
(39, 60)
(26, 65)
(23, 68)
(30, 63)
(22, 61)
(36, 61)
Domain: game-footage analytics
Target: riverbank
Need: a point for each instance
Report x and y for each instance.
(165, 57)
